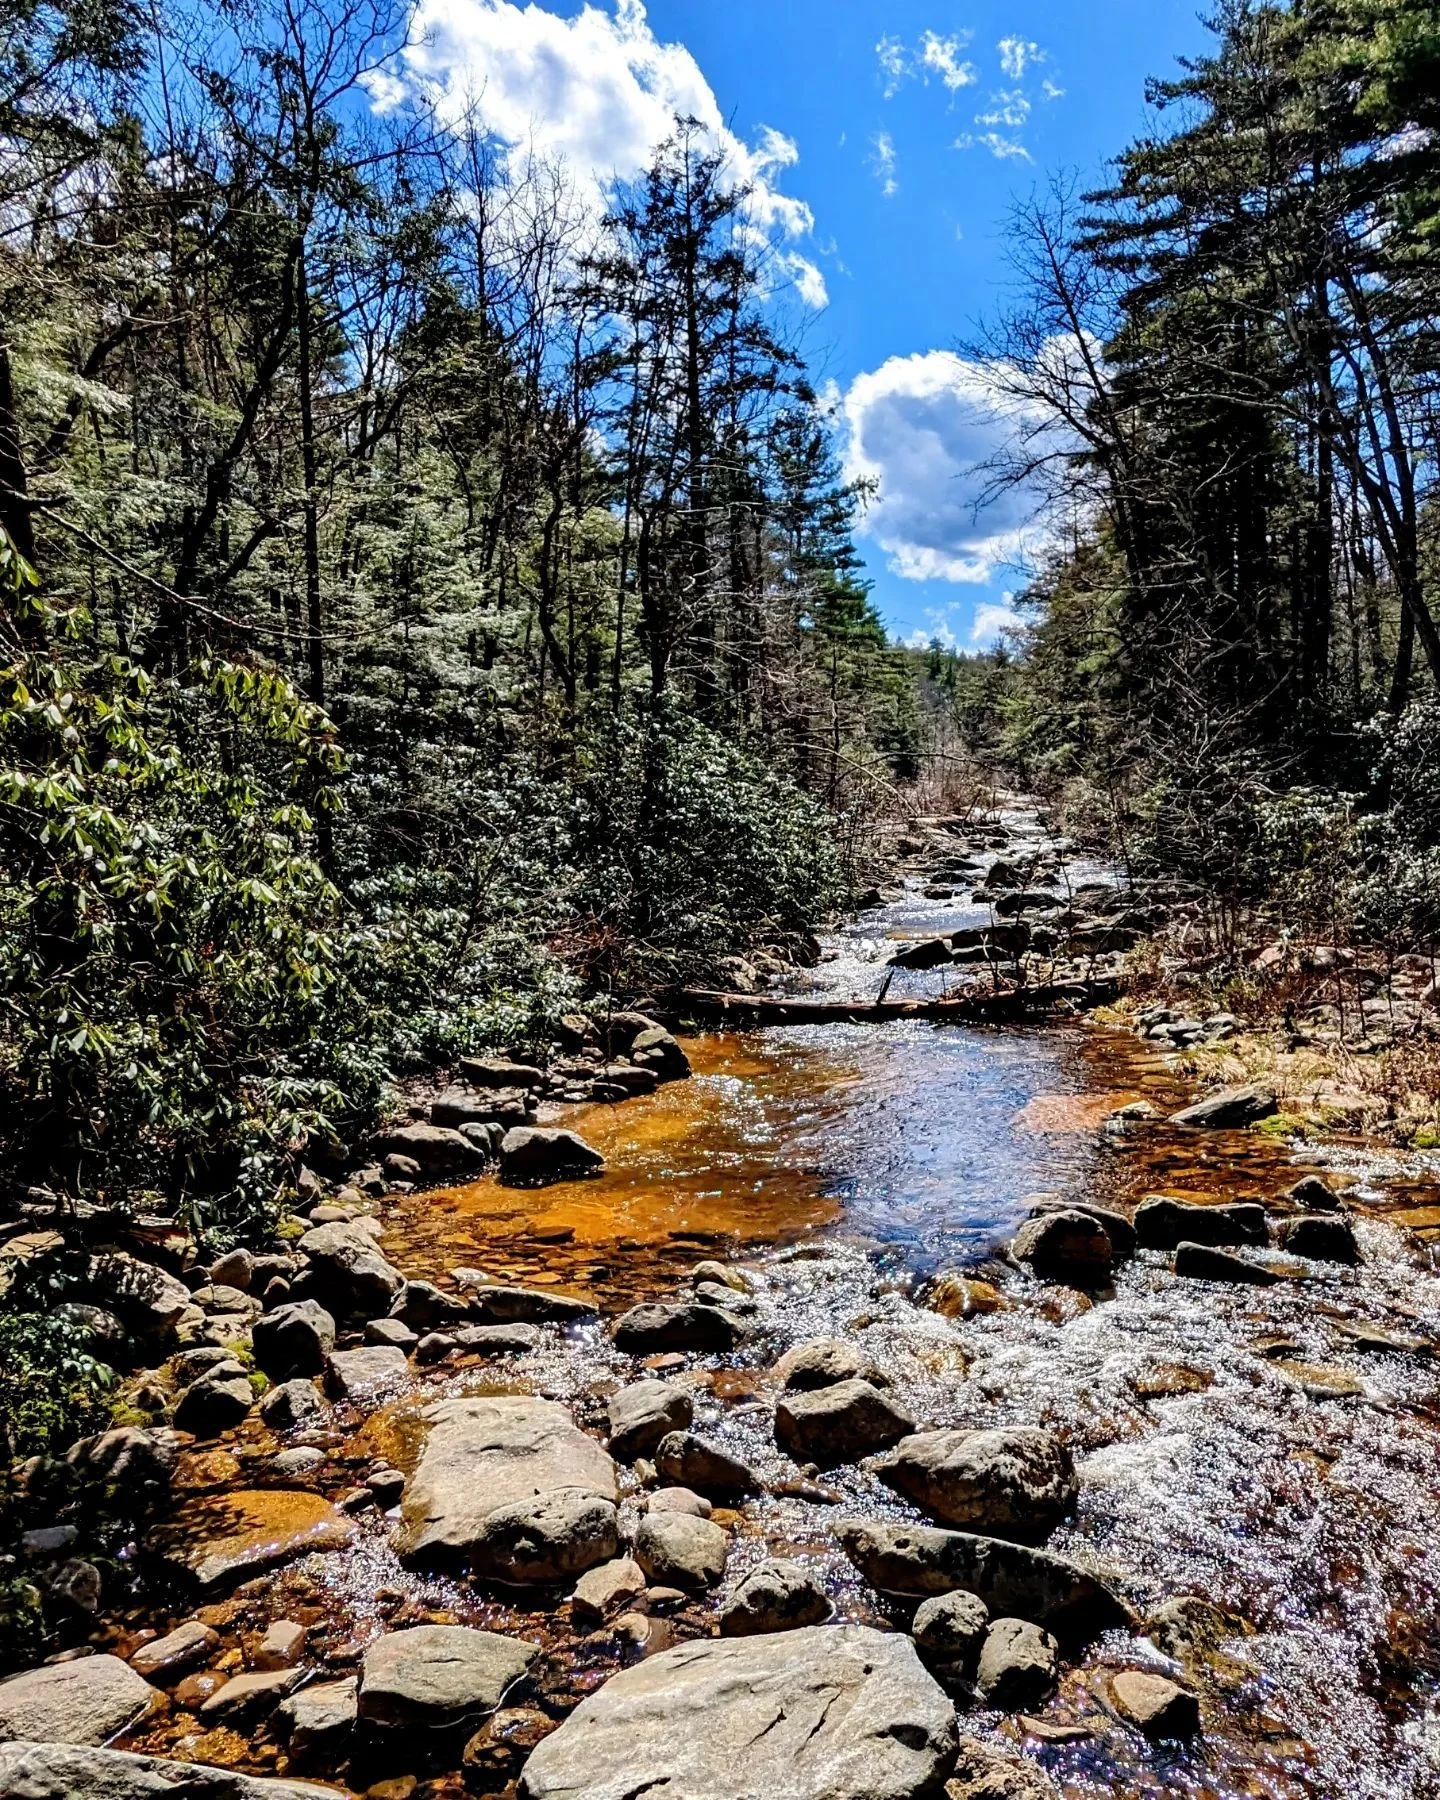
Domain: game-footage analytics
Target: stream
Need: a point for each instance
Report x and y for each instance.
(1253, 1447)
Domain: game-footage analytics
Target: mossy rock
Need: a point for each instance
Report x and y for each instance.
(1285, 1125)
(1425, 1137)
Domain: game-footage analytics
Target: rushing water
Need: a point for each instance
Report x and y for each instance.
(1238, 1445)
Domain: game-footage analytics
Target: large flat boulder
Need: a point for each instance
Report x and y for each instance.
(1011, 1482)
(438, 1677)
(1013, 1580)
(30, 1771)
(825, 1713)
(84, 1702)
(511, 1487)
(217, 1539)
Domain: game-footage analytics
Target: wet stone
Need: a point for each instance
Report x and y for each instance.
(682, 1326)
(1066, 1246)
(230, 1537)
(84, 1702)
(1320, 1238)
(176, 1652)
(688, 1460)
(1150, 1703)
(1230, 1109)
(1010, 1482)
(1165, 1224)
(776, 1596)
(644, 1413)
(1019, 1664)
(249, 1696)
(438, 1677)
(824, 1713)
(839, 1424)
(824, 1362)
(676, 1550)
(984, 1773)
(1199, 1262)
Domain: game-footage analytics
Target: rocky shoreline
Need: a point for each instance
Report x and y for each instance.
(695, 1544)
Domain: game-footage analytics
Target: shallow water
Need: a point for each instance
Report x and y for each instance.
(1232, 1444)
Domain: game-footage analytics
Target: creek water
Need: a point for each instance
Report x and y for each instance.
(1239, 1445)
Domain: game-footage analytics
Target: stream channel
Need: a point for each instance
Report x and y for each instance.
(1253, 1447)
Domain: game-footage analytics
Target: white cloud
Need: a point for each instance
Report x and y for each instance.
(884, 164)
(992, 621)
(894, 64)
(923, 428)
(1008, 107)
(941, 56)
(1051, 90)
(996, 143)
(597, 93)
(1017, 54)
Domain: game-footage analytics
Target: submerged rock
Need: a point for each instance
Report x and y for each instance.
(838, 1424)
(222, 1538)
(1012, 1482)
(825, 1713)
(510, 1487)
(84, 1702)
(1154, 1705)
(1012, 1579)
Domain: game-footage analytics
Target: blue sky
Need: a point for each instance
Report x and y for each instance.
(887, 143)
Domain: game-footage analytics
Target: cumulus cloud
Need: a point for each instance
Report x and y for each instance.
(992, 621)
(597, 93)
(941, 56)
(923, 429)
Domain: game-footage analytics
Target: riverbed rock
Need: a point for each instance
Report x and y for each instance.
(439, 1150)
(688, 1460)
(608, 1589)
(1320, 1237)
(1199, 1262)
(839, 1424)
(948, 1630)
(249, 1696)
(644, 1413)
(1313, 1194)
(424, 1307)
(676, 1550)
(1019, 1663)
(657, 1050)
(510, 1487)
(133, 1465)
(1067, 1246)
(930, 953)
(350, 1276)
(1119, 1229)
(1164, 1224)
(499, 1305)
(148, 1299)
(535, 1156)
(296, 1405)
(176, 1652)
(836, 1712)
(1010, 1482)
(1231, 1109)
(984, 1773)
(679, 1500)
(218, 1401)
(58, 1771)
(1013, 1580)
(775, 1596)
(367, 1370)
(497, 1340)
(84, 1702)
(295, 1339)
(438, 1677)
(685, 1325)
(318, 1722)
(221, 1539)
(825, 1362)
(1154, 1705)
(955, 1295)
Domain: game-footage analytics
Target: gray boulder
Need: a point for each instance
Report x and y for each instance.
(438, 1677)
(535, 1156)
(350, 1276)
(132, 1464)
(318, 1722)
(296, 1339)
(1019, 1664)
(827, 1713)
(360, 1373)
(500, 1072)
(984, 1773)
(85, 1702)
(1011, 1482)
(497, 1340)
(511, 1488)
(656, 1050)
(688, 1460)
(645, 1412)
(1012, 1579)
(148, 1299)
(528, 1306)
(424, 1307)
(218, 1401)
(437, 1149)
(678, 1550)
(684, 1326)
(839, 1424)
(1067, 1246)
(601, 1592)
(825, 1362)
(293, 1406)
(30, 1771)
(776, 1596)
(1164, 1224)
(179, 1650)
(1231, 1109)
(948, 1630)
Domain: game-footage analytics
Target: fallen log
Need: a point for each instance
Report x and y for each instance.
(990, 1008)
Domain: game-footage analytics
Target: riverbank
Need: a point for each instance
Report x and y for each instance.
(1235, 1475)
